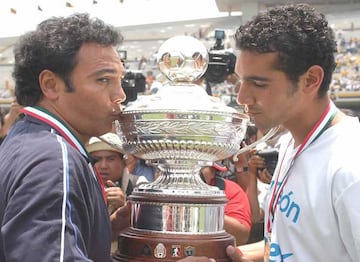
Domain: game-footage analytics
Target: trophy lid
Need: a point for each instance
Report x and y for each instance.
(182, 59)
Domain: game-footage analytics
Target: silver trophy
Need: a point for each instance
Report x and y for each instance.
(179, 129)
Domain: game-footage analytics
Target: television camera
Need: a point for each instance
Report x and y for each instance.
(221, 62)
(134, 81)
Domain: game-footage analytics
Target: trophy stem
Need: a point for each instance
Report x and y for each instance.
(177, 215)
(178, 177)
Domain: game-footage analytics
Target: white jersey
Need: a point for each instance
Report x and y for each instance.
(318, 213)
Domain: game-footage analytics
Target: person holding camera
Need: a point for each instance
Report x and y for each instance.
(110, 162)
(264, 158)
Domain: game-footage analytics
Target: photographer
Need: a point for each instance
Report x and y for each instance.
(258, 167)
(264, 158)
(262, 163)
(133, 82)
(221, 65)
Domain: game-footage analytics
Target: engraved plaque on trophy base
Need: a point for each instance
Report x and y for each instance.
(139, 246)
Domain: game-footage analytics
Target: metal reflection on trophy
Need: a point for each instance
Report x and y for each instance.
(179, 129)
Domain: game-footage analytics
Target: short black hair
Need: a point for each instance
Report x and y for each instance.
(299, 35)
(54, 46)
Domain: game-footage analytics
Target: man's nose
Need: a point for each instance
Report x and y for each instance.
(101, 163)
(118, 96)
(244, 94)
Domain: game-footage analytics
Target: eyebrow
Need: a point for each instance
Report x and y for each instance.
(257, 78)
(104, 71)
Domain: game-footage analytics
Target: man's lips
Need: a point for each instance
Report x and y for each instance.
(253, 113)
(104, 175)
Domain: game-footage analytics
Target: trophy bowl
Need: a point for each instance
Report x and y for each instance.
(209, 134)
(179, 129)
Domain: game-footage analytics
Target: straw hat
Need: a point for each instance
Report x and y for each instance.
(97, 144)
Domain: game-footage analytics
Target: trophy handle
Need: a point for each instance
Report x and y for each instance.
(268, 135)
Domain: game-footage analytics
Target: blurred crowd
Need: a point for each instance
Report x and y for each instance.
(347, 76)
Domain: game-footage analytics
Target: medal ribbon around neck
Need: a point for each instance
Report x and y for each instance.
(46, 116)
(321, 125)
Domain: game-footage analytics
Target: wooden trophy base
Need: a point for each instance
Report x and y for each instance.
(145, 246)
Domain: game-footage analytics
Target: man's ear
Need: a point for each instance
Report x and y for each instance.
(313, 78)
(50, 84)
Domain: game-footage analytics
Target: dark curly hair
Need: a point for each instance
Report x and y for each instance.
(54, 46)
(299, 35)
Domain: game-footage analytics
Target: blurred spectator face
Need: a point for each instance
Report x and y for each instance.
(110, 164)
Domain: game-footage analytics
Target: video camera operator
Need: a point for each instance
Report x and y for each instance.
(134, 81)
(221, 63)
